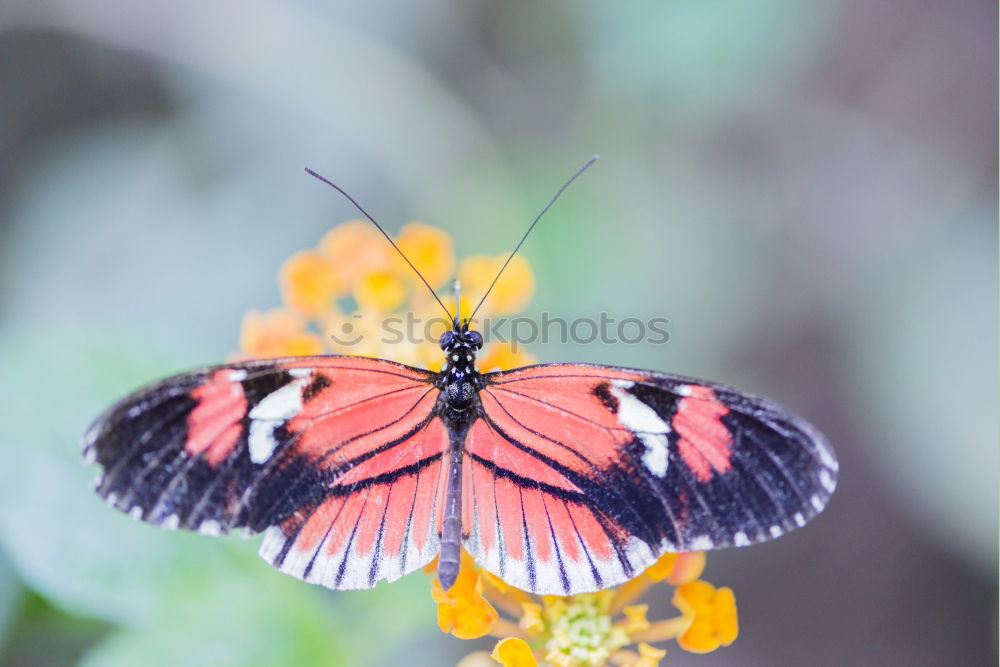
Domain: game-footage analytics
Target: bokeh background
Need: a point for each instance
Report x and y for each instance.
(807, 190)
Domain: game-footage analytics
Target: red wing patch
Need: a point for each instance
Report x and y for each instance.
(214, 424)
(704, 442)
(603, 469)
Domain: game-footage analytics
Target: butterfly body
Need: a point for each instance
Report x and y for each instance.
(459, 406)
(558, 478)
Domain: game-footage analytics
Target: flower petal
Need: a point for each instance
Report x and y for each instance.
(356, 248)
(462, 610)
(725, 615)
(514, 652)
(309, 283)
(687, 567)
(277, 333)
(636, 618)
(502, 356)
(649, 656)
(531, 617)
(712, 616)
(430, 249)
(513, 290)
(383, 291)
(659, 570)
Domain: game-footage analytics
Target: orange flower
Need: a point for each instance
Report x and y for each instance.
(356, 248)
(462, 610)
(384, 291)
(309, 283)
(501, 356)
(583, 630)
(635, 618)
(687, 567)
(662, 568)
(277, 333)
(430, 249)
(649, 656)
(711, 613)
(512, 291)
(353, 259)
(514, 652)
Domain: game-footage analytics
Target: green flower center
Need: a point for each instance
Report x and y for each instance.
(583, 635)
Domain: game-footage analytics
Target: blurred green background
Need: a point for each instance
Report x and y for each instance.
(807, 190)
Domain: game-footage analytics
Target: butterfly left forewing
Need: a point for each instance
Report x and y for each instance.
(606, 468)
(329, 456)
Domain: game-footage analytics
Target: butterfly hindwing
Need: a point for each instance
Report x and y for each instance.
(583, 475)
(336, 459)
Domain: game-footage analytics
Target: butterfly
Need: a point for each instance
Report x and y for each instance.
(558, 478)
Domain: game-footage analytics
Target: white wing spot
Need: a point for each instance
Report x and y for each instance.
(683, 390)
(172, 522)
(655, 457)
(270, 413)
(135, 410)
(135, 512)
(300, 372)
(112, 498)
(827, 481)
(237, 375)
(817, 502)
(641, 419)
(702, 543)
(826, 457)
(740, 539)
(89, 455)
(799, 519)
(775, 531)
(210, 527)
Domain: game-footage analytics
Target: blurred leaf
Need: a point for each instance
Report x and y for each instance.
(170, 589)
(62, 539)
(43, 635)
(11, 594)
(231, 618)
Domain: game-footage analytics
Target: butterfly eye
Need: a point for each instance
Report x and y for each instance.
(474, 338)
(446, 340)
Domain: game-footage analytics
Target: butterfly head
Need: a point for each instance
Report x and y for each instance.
(460, 339)
(459, 370)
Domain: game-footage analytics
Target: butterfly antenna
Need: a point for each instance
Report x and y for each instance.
(458, 304)
(387, 237)
(592, 160)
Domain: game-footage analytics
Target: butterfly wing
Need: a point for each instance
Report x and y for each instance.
(581, 475)
(336, 459)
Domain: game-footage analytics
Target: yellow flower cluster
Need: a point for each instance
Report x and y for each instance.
(336, 298)
(339, 295)
(591, 629)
